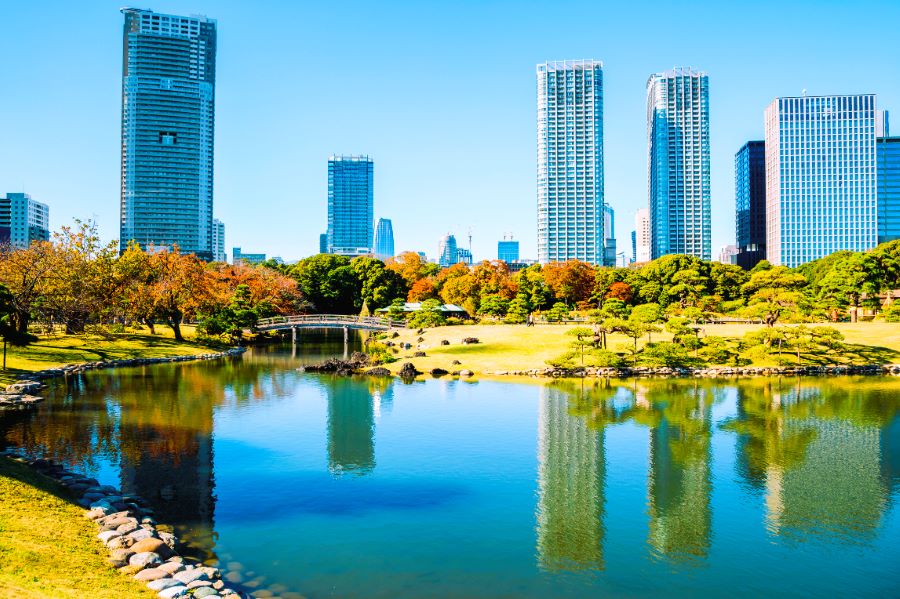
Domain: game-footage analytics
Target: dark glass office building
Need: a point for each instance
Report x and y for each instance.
(750, 203)
(168, 123)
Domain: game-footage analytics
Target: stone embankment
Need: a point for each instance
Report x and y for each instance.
(22, 394)
(138, 547)
(709, 372)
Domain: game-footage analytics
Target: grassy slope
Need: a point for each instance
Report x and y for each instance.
(516, 347)
(47, 548)
(56, 350)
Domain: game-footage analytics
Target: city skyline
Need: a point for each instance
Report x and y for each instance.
(63, 154)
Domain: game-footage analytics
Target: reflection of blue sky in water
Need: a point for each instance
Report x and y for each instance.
(364, 488)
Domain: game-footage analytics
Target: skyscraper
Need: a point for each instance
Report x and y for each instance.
(219, 254)
(168, 125)
(750, 203)
(678, 164)
(23, 220)
(350, 205)
(323, 243)
(888, 151)
(821, 194)
(642, 235)
(508, 250)
(609, 228)
(448, 255)
(570, 161)
(384, 239)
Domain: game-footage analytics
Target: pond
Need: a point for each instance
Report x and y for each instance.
(315, 486)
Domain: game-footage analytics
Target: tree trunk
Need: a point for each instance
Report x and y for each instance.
(22, 319)
(175, 324)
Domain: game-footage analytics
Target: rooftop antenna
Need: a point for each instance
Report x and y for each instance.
(803, 93)
(470, 240)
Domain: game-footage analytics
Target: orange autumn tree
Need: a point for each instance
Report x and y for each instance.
(271, 293)
(412, 267)
(178, 287)
(571, 282)
(423, 289)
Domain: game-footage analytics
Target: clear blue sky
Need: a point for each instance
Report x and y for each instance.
(441, 95)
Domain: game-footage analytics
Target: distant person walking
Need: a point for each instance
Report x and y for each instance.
(530, 321)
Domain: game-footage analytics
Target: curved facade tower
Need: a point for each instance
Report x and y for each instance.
(678, 163)
(384, 239)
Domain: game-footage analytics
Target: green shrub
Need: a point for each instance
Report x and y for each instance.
(892, 312)
(666, 353)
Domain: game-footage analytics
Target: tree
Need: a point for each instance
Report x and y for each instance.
(493, 305)
(7, 313)
(532, 288)
(620, 291)
(232, 320)
(412, 267)
(422, 290)
(459, 286)
(517, 311)
(396, 309)
(25, 273)
(850, 278)
(571, 281)
(178, 287)
(379, 286)
(773, 292)
(558, 313)
(583, 338)
(428, 315)
(687, 287)
(329, 283)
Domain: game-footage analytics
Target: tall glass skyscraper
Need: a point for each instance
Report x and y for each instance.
(350, 205)
(678, 163)
(448, 252)
(821, 194)
(508, 250)
(23, 220)
(888, 151)
(384, 239)
(570, 161)
(219, 254)
(168, 124)
(750, 203)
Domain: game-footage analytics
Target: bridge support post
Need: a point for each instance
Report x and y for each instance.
(346, 340)
(294, 335)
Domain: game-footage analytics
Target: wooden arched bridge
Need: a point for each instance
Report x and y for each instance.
(346, 322)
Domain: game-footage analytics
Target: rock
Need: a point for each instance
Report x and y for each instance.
(466, 373)
(420, 339)
(470, 340)
(172, 567)
(199, 583)
(119, 557)
(234, 577)
(378, 372)
(263, 594)
(108, 535)
(151, 545)
(419, 354)
(219, 585)
(117, 522)
(408, 370)
(212, 573)
(139, 535)
(187, 576)
(93, 514)
(127, 528)
(456, 362)
(151, 574)
(436, 372)
(206, 592)
(444, 342)
(147, 559)
(168, 538)
(163, 583)
(130, 570)
(172, 592)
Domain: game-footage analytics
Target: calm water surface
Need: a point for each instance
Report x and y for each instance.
(332, 487)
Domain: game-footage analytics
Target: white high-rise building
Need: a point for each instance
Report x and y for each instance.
(642, 235)
(23, 220)
(678, 163)
(821, 181)
(570, 161)
(219, 254)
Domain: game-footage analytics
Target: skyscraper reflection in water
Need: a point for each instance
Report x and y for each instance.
(571, 478)
(351, 427)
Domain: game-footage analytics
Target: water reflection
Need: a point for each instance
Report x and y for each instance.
(815, 460)
(571, 479)
(824, 455)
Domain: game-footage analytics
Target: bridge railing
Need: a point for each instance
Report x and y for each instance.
(309, 320)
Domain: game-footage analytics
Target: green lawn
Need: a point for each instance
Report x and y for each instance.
(516, 347)
(57, 350)
(47, 548)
